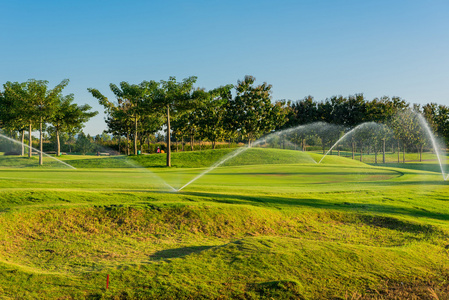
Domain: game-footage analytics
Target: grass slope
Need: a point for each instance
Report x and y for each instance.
(193, 159)
(290, 229)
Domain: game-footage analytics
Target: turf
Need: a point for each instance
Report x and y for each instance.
(270, 224)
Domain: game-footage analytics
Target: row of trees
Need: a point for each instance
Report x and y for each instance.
(231, 112)
(246, 111)
(354, 110)
(185, 111)
(33, 105)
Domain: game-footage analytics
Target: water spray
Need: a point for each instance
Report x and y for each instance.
(434, 143)
(34, 149)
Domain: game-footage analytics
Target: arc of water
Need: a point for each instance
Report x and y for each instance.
(339, 140)
(434, 143)
(237, 152)
(346, 134)
(217, 164)
(34, 149)
(137, 166)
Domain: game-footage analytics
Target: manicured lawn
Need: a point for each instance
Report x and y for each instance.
(267, 224)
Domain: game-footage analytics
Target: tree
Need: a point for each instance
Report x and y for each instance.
(186, 125)
(437, 116)
(44, 102)
(175, 98)
(134, 101)
(306, 111)
(69, 118)
(16, 110)
(83, 143)
(212, 113)
(407, 128)
(251, 111)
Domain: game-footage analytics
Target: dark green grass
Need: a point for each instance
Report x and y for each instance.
(294, 230)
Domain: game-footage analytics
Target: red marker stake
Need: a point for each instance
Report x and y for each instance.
(107, 281)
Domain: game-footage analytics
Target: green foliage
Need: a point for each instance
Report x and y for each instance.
(135, 105)
(84, 144)
(251, 111)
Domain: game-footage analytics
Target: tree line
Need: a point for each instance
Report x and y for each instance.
(32, 105)
(186, 112)
(356, 109)
(245, 112)
(394, 122)
(242, 112)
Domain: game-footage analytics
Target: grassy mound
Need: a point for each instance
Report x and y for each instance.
(271, 224)
(189, 159)
(210, 251)
(195, 159)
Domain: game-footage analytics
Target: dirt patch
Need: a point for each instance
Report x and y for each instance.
(422, 290)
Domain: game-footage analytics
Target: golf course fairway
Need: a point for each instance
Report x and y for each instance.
(269, 224)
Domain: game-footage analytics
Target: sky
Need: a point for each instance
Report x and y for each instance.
(319, 48)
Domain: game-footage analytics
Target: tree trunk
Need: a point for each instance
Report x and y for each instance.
(182, 143)
(41, 146)
(353, 150)
(58, 144)
(127, 143)
(119, 144)
(23, 142)
(361, 152)
(403, 153)
(168, 138)
(213, 145)
(141, 143)
(135, 135)
(148, 142)
(383, 151)
(399, 152)
(191, 142)
(30, 150)
(420, 153)
(375, 155)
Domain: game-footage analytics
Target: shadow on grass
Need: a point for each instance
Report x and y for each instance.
(412, 166)
(360, 172)
(336, 205)
(177, 252)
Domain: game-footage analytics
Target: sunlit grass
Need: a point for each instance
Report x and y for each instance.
(288, 229)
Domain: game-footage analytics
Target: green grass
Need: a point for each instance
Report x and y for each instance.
(268, 224)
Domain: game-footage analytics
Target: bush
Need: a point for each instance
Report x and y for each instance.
(12, 153)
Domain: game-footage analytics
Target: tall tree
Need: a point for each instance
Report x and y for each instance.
(137, 97)
(16, 109)
(251, 111)
(306, 111)
(44, 102)
(212, 113)
(175, 98)
(133, 102)
(69, 117)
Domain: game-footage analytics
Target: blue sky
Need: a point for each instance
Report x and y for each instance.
(318, 48)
